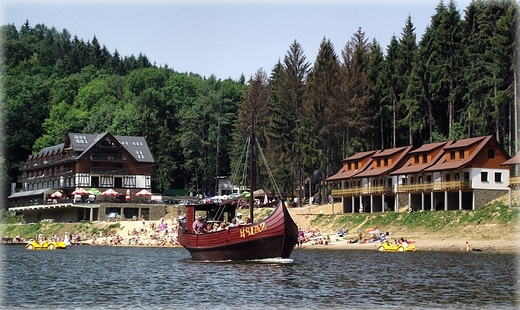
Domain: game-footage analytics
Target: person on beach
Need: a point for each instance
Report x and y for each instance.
(198, 227)
(468, 248)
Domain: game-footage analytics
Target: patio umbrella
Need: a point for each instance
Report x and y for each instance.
(94, 191)
(80, 191)
(144, 192)
(110, 192)
(57, 194)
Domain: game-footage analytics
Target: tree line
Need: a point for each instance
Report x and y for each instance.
(458, 80)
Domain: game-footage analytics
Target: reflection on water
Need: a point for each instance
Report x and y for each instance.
(124, 277)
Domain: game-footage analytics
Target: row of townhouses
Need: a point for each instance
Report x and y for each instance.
(453, 175)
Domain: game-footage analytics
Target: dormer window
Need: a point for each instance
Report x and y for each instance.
(416, 159)
(491, 153)
(461, 154)
(139, 154)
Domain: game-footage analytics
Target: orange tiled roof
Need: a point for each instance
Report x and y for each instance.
(386, 170)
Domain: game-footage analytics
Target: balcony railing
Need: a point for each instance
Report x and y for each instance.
(107, 157)
(46, 162)
(433, 186)
(514, 181)
(409, 188)
(44, 176)
(108, 170)
(355, 191)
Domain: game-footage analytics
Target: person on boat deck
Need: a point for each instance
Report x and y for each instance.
(208, 228)
(198, 227)
(222, 226)
(232, 224)
(247, 221)
(239, 219)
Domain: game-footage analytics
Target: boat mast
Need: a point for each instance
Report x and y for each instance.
(251, 168)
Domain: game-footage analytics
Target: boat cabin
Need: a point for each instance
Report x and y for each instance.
(210, 212)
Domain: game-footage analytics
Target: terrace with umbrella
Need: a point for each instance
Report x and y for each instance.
(78, 194)
(56, 195)
(110, 193)
(144, 193)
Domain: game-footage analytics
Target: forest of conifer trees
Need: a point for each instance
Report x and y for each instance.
(458, 80)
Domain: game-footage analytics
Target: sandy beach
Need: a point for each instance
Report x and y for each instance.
(425, 244)
(423, 241)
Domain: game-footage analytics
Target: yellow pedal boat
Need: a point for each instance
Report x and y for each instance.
(396, 247)
(46, 245)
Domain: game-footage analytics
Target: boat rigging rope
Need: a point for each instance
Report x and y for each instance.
(269, 172)
(245, 168)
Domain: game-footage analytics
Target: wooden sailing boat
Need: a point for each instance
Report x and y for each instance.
(273, 237)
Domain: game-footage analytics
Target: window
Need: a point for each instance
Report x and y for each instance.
(386, 162)
(379, 162)
(484, 176)
(356, 165)
(498, 177)
(447, 177)
(80, 139)
(106, 181)
(148, 182)
(83, 179)
(349, 166)
(424, 158)
(457, 176)
(466, 176)
(416, 159)
(452, 155)
(491, 153)
(461, 154)
(428, 178)
(139, 154)
(129, 181)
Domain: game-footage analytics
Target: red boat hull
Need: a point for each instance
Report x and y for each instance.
(273, 237)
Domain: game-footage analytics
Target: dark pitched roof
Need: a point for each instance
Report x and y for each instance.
(136, 146)
(49, 150)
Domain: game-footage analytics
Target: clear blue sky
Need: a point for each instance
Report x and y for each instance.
(224, 38)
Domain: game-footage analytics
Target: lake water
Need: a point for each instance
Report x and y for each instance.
(85, 277)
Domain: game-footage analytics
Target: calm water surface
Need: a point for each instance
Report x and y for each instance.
(84, 277)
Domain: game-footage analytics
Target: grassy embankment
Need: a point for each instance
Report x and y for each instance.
(492, 221)
(488, 222)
